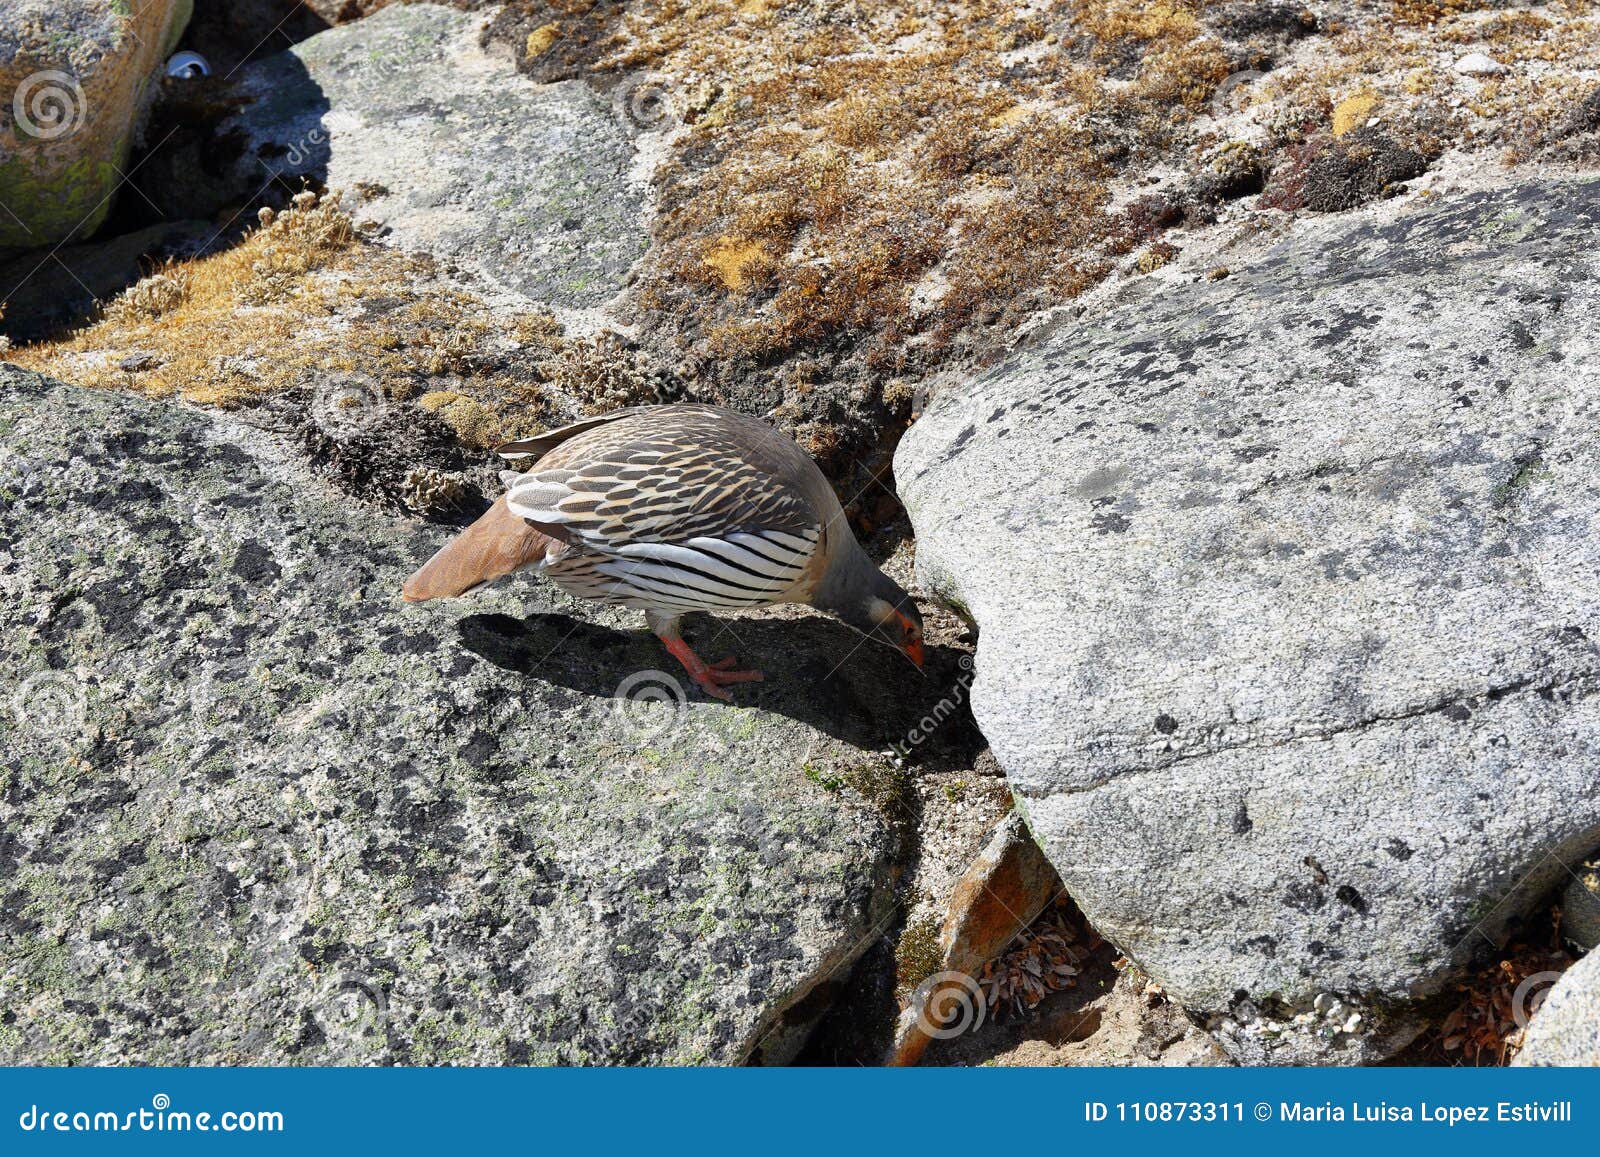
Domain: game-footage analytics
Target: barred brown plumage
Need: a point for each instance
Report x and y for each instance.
(673, 509)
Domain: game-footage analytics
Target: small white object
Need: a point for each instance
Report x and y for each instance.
(1480, 64)
(188, 66)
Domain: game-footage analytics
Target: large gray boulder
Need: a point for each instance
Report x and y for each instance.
(254, 809)
(450, 149)
(1289, 588)
(1565, 1029)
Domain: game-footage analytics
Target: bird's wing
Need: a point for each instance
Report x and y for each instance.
(527, 451)
(675, 517)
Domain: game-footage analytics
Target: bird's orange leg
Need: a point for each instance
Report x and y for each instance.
(712, 677)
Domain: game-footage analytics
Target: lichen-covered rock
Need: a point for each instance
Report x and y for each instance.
(452, 150)
(255, 809)
(75, 77)
(1565, 1030)
(1289, 588)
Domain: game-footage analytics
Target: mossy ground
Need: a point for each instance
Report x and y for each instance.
(306, 296)
(861, 197)
(850, 202)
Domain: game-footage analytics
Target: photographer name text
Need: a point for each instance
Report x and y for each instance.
(1305, 1112)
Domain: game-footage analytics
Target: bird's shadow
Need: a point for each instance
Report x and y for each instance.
(818, 672)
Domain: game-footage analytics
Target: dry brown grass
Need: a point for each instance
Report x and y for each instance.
(844, 167)
(304, 297)
(865, 193)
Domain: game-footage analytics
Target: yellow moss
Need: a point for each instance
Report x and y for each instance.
(731, 258)
(273, 315)
(1013, 115)
(1420, 80)
(1153, 259)
(917, 955)
(435, 400)
(542, 38)
(1353, 111)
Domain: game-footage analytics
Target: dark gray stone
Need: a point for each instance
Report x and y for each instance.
(254, 809)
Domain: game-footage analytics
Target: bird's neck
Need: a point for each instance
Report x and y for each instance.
(846, 584)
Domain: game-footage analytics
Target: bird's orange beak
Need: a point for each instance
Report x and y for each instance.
(913, 646)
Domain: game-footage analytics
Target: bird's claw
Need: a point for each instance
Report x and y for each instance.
(713, 678)
(716, 677)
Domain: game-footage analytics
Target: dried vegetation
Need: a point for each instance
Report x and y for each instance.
(862, 195)
(854, 198)
(304, 299)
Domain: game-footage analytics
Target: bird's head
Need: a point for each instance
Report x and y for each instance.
(874, 604)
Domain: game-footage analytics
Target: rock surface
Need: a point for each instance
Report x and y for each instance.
(1006, 887)
(75, 77)
(1287, 586)
(45, 294)
(452, 150)
(254, 809)
(1566, 1028)
(1580, 905)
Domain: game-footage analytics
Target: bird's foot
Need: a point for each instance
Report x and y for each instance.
(714, 681)
(713, 678)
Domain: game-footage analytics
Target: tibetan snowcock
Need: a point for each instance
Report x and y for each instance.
(673, 509)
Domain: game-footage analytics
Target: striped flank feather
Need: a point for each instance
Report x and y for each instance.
(696, 511)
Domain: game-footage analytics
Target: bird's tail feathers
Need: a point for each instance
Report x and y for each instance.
(494, 546)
